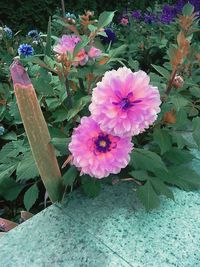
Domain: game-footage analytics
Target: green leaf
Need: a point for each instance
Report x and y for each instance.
(181, 176)
(163, 139)
(179, 102)
(105, 18)
(31, 196)
(33, 59)
(146, 160)
(161, 188)
(180, 139)
(134, 64)
(177, 156)
(9, 136)
(113, 53)
(91, 186)
(79, 105)
(196, 130)
(48, 40)
(60, 114)
(148, 196)
(140, 175)
(8, 151)
(188, 9)
(27, 168)
(70, 176)
(181, 119)
(195, 91)
(165, 73)
(61, 145)
(9, 189)
(6, 170)
(85, 40)
(42, 83)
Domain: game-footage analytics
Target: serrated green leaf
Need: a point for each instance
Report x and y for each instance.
(163, 139)
(140, 175)
(165, 73)
(105, 18)
(134, 64)
(161, 188)
(91, 186)
(9, 189)
(42, 83)
(179, 102)
(31, 196)
(60, 114)
(9, 136)
(8, 151)
(181, 176)
(143, 159)
(70, 176)
(196, 130)
(177, 156)
(27, 168)
(61, 145)
(113, 53)
(79, 105)
(7, 170)
(148, 196)
(180, 139)
(195, 91)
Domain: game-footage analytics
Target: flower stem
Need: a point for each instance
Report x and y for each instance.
(169, 87)
(69, 96)
(63, 7)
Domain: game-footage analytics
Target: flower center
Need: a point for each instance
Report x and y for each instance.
(126, 102)
(102, 143)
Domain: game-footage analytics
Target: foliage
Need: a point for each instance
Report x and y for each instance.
(24, 16)
(162, 155)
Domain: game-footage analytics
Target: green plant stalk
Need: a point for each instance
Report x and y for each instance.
(37, 132)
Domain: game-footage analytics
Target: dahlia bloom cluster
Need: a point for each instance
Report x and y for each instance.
(67, 43)
(123, 104)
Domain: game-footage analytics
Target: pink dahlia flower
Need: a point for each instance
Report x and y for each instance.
(94, 52)
(124, 103)
(66, 44)
(97, 153)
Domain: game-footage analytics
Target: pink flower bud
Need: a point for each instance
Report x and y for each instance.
(124, 21)
(94, 52)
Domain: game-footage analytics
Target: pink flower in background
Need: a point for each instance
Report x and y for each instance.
(124, 103)
(124, 21)
(81, 58)
(94, 52)
(66, 44)
(97, 153)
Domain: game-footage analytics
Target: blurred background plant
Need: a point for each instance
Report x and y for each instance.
(163, 40)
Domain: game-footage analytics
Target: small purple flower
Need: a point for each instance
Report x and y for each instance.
(168, 14)
(136, 14)
(8, 32)
(150, 18)
(25, 50)
(110, 38)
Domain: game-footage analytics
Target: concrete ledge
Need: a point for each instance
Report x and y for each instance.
(111, 230)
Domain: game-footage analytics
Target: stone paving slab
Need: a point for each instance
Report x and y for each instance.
(111, 230)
